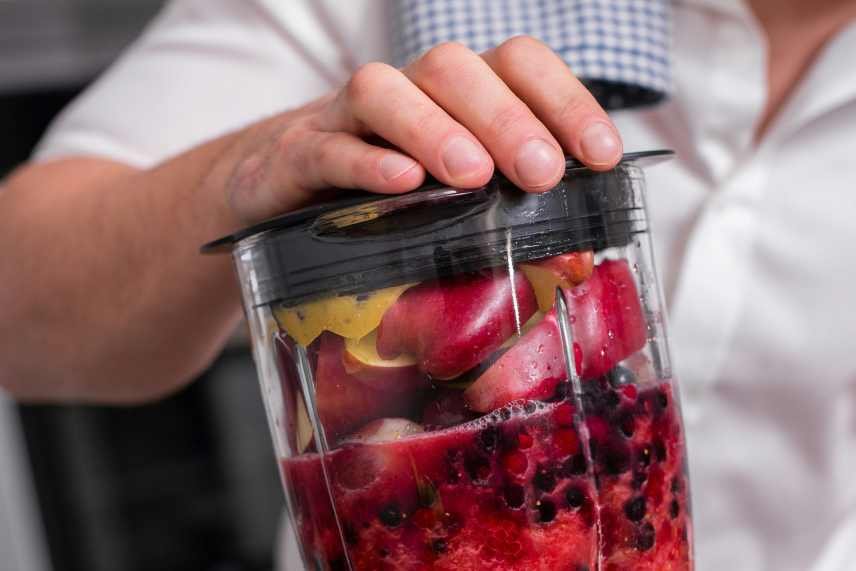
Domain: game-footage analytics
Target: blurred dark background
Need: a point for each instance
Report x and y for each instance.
(185, 484)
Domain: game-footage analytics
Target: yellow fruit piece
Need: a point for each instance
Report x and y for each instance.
(544, 283)
(304, 426)
(349, 316)
(365, 351)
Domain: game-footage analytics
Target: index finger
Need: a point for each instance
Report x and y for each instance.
(540, 78)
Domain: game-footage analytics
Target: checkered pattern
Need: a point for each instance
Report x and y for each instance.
(619, 48)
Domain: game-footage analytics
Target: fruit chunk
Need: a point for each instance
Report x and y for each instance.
(446, 407)
(344, 402)
(363, 362)
(385, 429)
(451, 325)
(350, 316)
(607, 325)
(530, 369)
(564, 270)
(297, 428)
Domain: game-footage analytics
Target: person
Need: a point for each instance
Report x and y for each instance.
(226, 113)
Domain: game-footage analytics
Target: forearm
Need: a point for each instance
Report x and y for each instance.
(97, 254)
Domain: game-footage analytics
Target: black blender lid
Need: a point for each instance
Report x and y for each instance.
(362, 241)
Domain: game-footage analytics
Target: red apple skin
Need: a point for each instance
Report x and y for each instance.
(345, 403)
(451, 325)
(395, 379)
(607, 302)
(531, 369)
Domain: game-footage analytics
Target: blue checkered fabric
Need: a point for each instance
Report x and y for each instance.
(618, 48)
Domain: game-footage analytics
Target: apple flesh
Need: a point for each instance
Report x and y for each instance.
(451, 325)
(385, 430)
(344, 402)
(400, 374)
(607, 324)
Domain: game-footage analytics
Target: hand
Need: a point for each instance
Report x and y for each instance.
(452, 112)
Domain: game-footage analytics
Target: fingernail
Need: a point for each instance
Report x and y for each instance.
(600, 145)
(394, 165)
(538, 163)
(462, 157)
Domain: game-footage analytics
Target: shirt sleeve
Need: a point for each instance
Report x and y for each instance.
(202, 68)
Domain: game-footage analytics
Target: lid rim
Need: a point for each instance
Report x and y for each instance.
(227, 243)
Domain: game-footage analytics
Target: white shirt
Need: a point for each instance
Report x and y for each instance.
(755, 242)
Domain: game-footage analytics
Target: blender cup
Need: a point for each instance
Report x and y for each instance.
(472, 379)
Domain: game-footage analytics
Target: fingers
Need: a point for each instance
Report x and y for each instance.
(468, 89)
(304, 161)
(381, 100)
(546, 85)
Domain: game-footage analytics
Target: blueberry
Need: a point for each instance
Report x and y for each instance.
(619, 376)
(515, 495)
(612, 399)
(439, 545)
(575, 497)
(529, 407)
(576, 465)
(477, 466)
(676, 484)
(615, 459)
(660, 450)
(674, 509)
(645, 537)
(563, 391)
(545, 479)
(391, 516)
(546, 511)
(635, 509)
(350, 534)
(627, 424)
(489, 438)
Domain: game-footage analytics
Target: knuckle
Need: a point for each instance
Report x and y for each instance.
(508, 118)
(425, 122)
(573, 108)
(287, 143)
(365, 82)
(513, 50)
(321, 149)
(435, 61)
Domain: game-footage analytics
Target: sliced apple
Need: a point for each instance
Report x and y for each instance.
(350, 316)
(608, 326)
(385, 430)
(451, 325)
(303, 427)
(531, 369)
(344, 402)
(564, 270)
(399, 374)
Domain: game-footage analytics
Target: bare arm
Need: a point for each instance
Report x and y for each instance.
(104, 294)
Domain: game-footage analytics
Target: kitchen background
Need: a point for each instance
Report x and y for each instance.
(185, 484)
